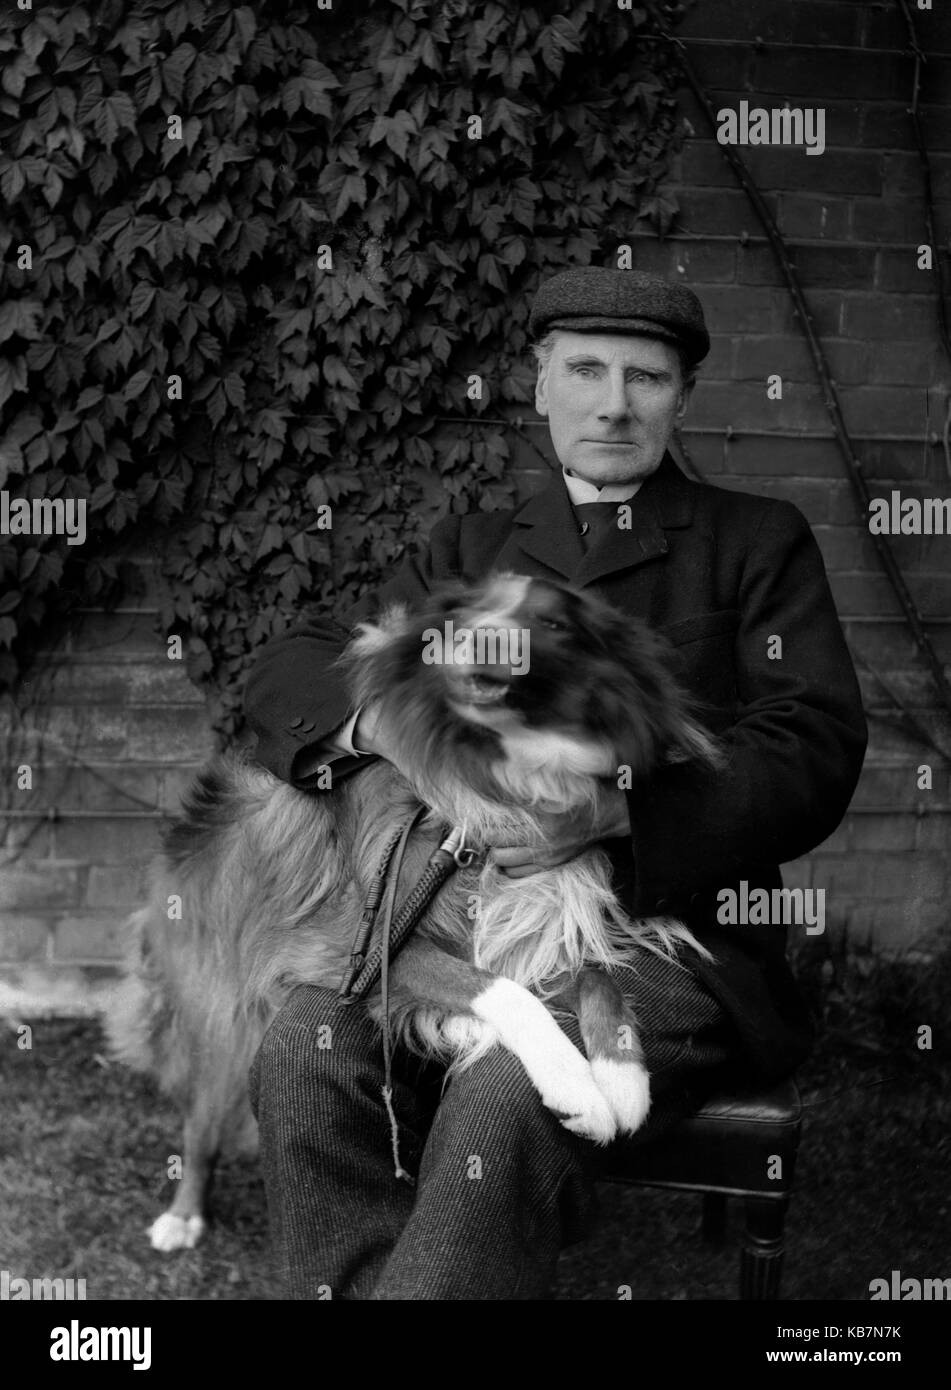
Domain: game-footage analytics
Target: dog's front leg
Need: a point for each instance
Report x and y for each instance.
(424, 975)
(611, 1040)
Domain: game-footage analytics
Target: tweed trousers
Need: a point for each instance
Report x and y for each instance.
(500, 1187)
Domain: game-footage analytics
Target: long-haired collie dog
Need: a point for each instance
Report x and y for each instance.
(504, 708)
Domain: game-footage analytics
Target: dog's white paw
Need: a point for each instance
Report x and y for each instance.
(576, 1099)
(558, 1071)
(171, 1232)
(627, 1089)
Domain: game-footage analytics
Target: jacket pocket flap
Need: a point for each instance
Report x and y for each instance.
(703, 625)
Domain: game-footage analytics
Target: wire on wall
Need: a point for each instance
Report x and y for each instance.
(830, 395)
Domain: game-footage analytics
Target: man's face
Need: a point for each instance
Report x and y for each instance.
(611, 401)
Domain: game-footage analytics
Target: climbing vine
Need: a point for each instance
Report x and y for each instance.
(253, 256)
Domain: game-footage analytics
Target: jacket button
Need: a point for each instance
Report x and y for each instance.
(583, 529)
(695, 898)
(307, 728)
(660, 904)
(296, 723)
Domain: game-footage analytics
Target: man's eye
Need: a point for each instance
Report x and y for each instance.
(584, 371)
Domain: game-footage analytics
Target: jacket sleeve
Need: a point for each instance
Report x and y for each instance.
(296, 696)
(794, 751)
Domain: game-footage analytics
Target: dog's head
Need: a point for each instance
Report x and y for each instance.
(530, 670)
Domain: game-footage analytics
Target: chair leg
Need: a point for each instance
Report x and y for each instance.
(761, 1261)
(713, 1224)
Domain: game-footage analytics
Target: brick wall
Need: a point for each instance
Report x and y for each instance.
(112, 733)
(853, 218)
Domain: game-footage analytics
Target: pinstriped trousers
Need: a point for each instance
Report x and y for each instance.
(500, 1188)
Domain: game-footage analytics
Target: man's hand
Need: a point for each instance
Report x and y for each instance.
(569, 835)
(367, 736)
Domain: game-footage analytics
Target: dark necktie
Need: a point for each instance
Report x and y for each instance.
(596, 520)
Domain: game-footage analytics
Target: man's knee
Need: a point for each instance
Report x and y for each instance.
(497, 1090)
(313, 1034)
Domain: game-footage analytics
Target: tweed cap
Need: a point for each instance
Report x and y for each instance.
(599, 299)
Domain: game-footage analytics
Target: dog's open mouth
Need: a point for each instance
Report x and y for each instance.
(481, 689)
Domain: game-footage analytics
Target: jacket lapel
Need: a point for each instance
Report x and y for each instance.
(546, 527)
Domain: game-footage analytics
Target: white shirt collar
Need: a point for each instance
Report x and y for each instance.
(579, 490)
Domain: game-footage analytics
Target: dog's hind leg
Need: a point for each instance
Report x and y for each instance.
(183, 1225)
(609, 1030)
(217, 1116)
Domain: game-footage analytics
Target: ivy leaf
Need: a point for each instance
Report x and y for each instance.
(216, 406)
(105, 124)
(136, 385)
(310, 89)
(52, 187)
(395, 130)
(12, 377)
(234, 390)
(174, 69)
(14, 75)
(272, 538)
(353, 190)
(11, 459)
(20, 316)
(12, 181)
(140, 300)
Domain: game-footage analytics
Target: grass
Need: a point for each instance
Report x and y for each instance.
(84, 1145)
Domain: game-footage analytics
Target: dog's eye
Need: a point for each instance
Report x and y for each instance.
(551, 622)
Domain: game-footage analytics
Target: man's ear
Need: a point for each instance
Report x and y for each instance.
(684, 399)
(541, 391)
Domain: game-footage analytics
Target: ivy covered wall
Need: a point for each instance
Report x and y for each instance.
(253, 255)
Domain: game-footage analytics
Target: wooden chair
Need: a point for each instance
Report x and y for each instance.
(728, 1149)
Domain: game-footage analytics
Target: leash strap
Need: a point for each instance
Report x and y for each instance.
(392, 850)
(450, 855)
(364, 970)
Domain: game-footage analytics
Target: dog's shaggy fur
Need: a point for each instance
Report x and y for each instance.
(261, 886)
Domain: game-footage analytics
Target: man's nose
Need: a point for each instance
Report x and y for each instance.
(615, 403)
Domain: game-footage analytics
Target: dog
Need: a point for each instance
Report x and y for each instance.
(261, 886)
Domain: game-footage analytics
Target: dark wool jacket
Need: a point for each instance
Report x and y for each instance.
(718, 573)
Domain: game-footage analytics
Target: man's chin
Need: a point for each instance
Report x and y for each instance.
(601, 466)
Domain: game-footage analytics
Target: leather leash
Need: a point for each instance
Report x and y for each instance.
(367, 966)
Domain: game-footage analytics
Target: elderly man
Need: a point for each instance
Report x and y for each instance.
(721, 574)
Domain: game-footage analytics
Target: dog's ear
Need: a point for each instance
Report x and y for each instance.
(449, 595)
(371, 637)
(652, 706)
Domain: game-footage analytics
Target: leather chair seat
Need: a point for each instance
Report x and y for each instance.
(729, 1146)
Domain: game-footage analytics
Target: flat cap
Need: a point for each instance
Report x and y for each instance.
(599, 299)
